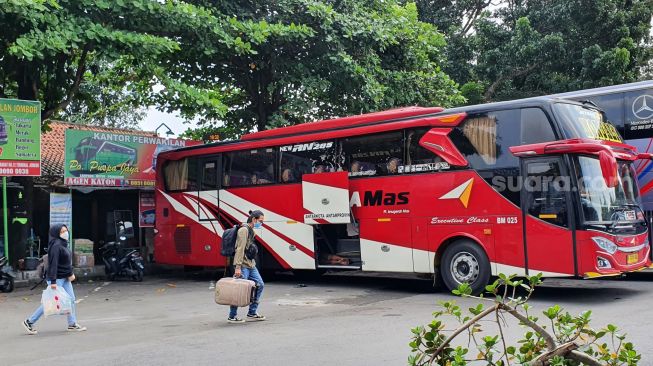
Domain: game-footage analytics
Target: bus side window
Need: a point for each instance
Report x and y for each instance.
(181, 175)
(416, 154)
(307, 158)
(545, 198)
(371, 155)
(250, 167)
(535, 127)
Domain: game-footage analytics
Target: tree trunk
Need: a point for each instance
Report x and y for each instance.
(27, 90)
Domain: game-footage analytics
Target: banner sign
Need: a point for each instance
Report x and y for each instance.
(114, 160)
(146, 208)
(61, 209)
(20, 138)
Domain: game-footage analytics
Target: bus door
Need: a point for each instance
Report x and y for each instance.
(326, 206)
(547, 217)
(209, 189)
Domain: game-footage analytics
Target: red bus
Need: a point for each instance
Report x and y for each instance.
(535, 185)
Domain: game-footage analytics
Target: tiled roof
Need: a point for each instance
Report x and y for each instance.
(53, 148)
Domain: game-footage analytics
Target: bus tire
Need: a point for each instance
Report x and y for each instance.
(465, 262)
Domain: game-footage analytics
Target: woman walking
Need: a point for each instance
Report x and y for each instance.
(60, 274)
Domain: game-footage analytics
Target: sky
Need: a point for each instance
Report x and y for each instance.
(154, 118)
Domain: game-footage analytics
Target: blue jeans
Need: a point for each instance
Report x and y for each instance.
(68, 287)
(250, 274)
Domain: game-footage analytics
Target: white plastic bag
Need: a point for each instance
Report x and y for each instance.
(56, 302)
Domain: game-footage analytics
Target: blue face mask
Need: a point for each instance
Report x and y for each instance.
(258, 225)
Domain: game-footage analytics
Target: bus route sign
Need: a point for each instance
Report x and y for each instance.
(20, 138)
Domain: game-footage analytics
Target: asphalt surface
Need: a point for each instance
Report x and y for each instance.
(338, 320)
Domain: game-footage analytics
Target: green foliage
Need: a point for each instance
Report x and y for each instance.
(58, 49)
(527, 48)
(294, 61)
(559, 339)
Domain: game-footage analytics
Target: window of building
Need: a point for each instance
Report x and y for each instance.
(373, 155)
(181, 175)
(250, 167)
(307, 158)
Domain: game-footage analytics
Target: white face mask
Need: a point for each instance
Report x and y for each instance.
(65, 236)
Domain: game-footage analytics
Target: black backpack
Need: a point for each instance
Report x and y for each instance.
(228, 248)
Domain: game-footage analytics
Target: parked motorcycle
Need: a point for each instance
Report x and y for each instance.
(121, 263)
(7, 277)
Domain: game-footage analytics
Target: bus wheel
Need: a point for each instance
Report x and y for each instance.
(465, 262)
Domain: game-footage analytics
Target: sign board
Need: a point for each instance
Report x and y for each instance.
(113, 159)
(146, 211)
(61, 209)
(20, 138)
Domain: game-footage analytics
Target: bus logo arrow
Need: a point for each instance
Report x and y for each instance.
(462, 193)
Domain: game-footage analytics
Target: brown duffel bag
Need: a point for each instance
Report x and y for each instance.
(234, 291)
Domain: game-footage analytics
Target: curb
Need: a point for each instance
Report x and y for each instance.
(27, 278)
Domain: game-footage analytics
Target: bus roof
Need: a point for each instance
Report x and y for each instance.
(647, 84)
(337, 123)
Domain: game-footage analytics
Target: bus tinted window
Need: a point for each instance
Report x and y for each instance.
(250, 167)
(299, 159)
(416, 154)
(181, 175)
(535, 127)
(484, 139)
(371, 155)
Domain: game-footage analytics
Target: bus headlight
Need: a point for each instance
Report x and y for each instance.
(605, 244)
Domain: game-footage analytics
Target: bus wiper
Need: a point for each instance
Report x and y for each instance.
(618, 210)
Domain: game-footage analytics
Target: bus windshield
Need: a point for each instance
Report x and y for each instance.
(578, 121)
(603, 204)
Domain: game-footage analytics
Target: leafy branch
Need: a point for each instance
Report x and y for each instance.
(568, 340)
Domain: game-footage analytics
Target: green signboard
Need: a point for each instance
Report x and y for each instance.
(114, 159)
(20, 138)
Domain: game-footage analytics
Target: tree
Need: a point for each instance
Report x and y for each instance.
(56, 50)
(294, 61)
(52, 47)
(101, 101)
(528, 48)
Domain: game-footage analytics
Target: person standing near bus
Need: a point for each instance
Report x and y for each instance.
(245, 267)
(59, 274)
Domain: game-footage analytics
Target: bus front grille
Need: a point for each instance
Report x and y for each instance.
(182, 240)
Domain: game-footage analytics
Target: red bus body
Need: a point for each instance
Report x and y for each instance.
(406, 222)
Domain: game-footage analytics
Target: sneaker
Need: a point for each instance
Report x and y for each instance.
(76, 328)
(255, 317)
(29, 327)
(235, 320)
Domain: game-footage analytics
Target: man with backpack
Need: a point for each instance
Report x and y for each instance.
(245, 251)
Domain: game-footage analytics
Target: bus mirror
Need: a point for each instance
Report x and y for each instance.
(644, 156)
(608, 168)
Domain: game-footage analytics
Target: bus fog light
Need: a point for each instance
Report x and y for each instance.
(605, 244)
(603, 263)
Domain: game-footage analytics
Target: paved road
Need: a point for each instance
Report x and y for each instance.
(340, 321)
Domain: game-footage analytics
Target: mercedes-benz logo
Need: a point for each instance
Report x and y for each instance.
(643, 106)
